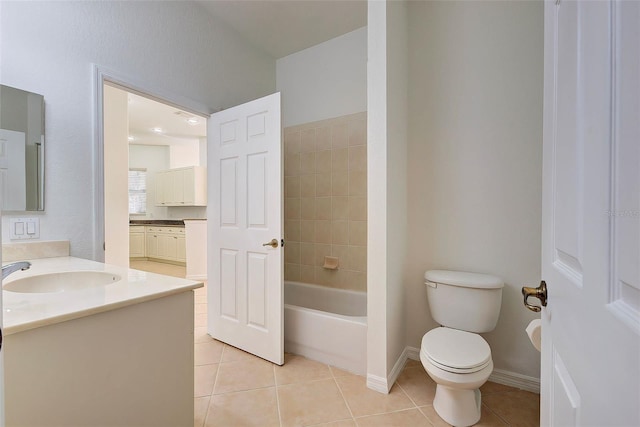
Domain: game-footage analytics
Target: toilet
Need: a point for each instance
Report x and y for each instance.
(454, 355)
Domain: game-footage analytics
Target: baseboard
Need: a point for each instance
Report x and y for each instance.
(499, 376)
(378, 384)
(196, 277)
(512, 379)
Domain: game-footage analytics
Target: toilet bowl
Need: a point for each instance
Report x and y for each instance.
(459, 363)
(454, 355)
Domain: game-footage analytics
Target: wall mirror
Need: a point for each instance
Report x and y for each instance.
(21, 150)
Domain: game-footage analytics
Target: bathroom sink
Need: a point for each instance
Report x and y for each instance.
(68, 281)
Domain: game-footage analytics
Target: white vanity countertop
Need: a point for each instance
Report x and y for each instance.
(24, 311)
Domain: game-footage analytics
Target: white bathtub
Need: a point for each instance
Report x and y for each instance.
(325, 324)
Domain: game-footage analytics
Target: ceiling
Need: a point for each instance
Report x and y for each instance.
(281, 28)
(145, 115)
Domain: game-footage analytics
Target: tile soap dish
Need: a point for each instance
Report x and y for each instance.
(330, 263)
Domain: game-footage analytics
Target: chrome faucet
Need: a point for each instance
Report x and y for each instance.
(12, 268)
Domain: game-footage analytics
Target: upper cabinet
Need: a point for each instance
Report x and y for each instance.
(182, 187)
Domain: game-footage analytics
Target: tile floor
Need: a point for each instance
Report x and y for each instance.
(234, 388)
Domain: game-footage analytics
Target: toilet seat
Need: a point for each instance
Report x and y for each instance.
(456, 351)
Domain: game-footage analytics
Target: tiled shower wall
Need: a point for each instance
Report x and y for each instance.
(325, 188)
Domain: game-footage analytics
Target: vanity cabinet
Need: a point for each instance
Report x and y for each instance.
(182, 187)
(137, 241)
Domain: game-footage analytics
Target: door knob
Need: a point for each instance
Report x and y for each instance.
(540, 292)
(273, 243)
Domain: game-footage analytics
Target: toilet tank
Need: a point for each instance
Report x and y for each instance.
(466, 301)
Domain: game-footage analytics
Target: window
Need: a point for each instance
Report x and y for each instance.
(137, 191)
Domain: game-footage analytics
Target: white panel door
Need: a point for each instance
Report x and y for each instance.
(245, 212)
(591, 214)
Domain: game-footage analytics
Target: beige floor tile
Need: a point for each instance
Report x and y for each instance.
(200, 308)
(413, 364)
(200, 320)
(364, 401)
(244, 375)
(487, 418)
(204, 379)
(207, 353)
(311, 403)
(418, 385)
(297, 369)
(406, 418)
(337, 372)
(232, 354)
(245, 408)
(341, 423)
(491, 387)
(517, 408)
(200, 335)
(200, 406)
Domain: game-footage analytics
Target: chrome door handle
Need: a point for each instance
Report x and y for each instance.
(273, 243)
(540, 292)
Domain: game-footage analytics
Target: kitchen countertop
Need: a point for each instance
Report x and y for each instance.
(173, 222)
(24, 311)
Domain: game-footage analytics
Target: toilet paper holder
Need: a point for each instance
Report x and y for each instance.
(540, 292)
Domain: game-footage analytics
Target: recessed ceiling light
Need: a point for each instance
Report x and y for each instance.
(193, 121)
(157, 130)
(131, 138)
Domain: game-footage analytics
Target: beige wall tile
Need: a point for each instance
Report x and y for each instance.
(357, 281)
(358, 208)
(307, 274)
(357, 258)
(291, 164)
(339, 136)
(339, 207)
(308, 208)
(308, 185)
(323, 184)
(308, 140)
(322, 250)
(358, 132)
(307, 231)
(339, 159)
(323, 138)
(292, 253)
(358, 158)
(292, 230)
(340, 232)
(358, 183)
(340, 252)
(358, 233)
(291, 271)
(291, 142)
(340, 184)
(323, 161)
(291, 186)
(291, 208)
(307, 162)
(307, 253)
(323, 231)
(323, 207)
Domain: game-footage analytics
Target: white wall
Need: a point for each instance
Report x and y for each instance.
(324, 81)
(49, 48)
(387, 206)
(154, 158)
(475, 158)
(184, 155)
(116, 179)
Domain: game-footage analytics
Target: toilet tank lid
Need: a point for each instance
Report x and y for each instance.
(464, 279)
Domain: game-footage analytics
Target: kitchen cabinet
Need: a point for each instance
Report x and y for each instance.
(165, 244)
(182, 187)
(137, 241)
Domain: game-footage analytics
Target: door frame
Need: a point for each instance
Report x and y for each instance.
(101, 76)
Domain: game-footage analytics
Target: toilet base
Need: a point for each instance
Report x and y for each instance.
(458, 407)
